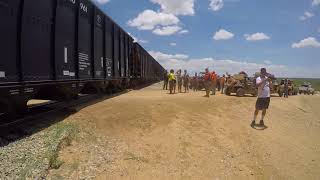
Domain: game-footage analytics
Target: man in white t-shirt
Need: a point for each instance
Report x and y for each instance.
(263, 82)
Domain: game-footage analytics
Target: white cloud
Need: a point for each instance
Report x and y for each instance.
(184, 32)
(256, 37)
(181, 61)
(315, 2)
(308, 42)
(164, 22)
(177, 7)
(148, 20)
(166, 30)
(306, 16)
(173, 44)
(223, 35)
(165, 58)
(216, 5)
(102, 1)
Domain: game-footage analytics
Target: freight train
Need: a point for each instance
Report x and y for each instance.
(56, 49)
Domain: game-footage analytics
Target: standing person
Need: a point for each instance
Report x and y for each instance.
(186, 81)
(263, 82)
(286, 88)
(222, 82)
(195, 82)
(207, 82)
(214, 82)
(165, 80)
(218, 82)
(179, 79)
(172, 83)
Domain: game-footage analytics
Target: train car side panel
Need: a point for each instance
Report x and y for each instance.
(122, 53)
(116, 51)
(65, 29)
(84, 40)
(98, 44)
(36, 40)
(109, 47)
(9, 15)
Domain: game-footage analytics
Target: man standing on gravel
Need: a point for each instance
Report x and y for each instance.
(263, 83)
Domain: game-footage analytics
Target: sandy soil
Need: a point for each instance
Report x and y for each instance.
(149, 134)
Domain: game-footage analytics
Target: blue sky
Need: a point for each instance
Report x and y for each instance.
(225, 35)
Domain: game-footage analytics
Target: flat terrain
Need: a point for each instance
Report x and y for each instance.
(149, 134)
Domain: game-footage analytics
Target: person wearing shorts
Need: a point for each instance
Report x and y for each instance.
(186, 81)
(165, 80)
(263, 83)
(179, 80)
(172, 82)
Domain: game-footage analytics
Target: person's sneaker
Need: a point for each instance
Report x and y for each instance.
(253, 123)
(261, 123)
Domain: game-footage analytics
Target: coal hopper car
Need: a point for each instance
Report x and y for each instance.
(56, 49)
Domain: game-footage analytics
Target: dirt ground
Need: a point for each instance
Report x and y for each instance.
(149, 134)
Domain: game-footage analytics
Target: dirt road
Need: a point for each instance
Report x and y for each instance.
(149, 134)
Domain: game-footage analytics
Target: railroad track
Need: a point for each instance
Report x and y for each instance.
(45, 115)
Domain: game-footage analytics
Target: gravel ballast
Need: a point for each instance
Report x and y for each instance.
(33, 156)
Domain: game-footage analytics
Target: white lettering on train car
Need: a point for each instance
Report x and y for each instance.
(28, 90)
(66, 73)
(14, 91)
(65, 55)
(99, 19)
(73, 1)
(83, 7)
(72, 74)
(2, 74)
(101, 61)
(98, 73)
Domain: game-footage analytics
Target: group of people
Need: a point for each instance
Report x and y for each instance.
(174, 79)
(210, 81)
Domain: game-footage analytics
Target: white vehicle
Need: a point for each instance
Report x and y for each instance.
(306, 88)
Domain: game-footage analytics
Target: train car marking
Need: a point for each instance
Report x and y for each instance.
(83, 7)
(2, 74)
(66, 73)
(28, 90)
(14, 91)
(72, 74)
(65, 55)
